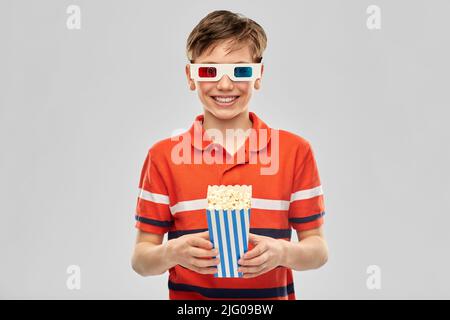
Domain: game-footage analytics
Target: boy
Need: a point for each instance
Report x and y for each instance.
(174, 183)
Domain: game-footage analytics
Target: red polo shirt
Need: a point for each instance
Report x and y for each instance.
(172, 198)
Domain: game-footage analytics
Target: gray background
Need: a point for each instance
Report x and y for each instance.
(80, 108)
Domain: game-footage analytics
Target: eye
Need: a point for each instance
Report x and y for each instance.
(242, 72)
(207, 72)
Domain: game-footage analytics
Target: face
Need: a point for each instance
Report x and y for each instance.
(216, 95)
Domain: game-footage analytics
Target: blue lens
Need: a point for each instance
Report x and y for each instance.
(243, 72)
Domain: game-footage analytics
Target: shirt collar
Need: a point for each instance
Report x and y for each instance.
(202, 141)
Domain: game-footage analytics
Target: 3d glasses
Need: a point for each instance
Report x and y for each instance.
(215, 71)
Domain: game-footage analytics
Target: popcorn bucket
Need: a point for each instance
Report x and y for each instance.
(229, 227)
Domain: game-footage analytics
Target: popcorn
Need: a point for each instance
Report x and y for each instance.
(228, 217)
(229, 197)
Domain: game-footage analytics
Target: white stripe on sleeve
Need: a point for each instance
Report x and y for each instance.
(306, 194)
(153, 197)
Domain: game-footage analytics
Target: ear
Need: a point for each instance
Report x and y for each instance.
(191, 82)
(258, 81)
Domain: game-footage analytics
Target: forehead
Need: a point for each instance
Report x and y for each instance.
(226, 52)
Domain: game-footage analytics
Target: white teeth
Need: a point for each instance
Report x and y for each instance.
(224, 100)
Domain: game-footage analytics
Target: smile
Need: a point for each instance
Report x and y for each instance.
(225, 100)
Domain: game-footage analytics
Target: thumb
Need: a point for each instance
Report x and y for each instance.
(253, 238)
(204, 235)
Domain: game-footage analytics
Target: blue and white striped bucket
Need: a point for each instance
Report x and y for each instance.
(228, 231)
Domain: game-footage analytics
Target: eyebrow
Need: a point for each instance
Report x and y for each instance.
(209, 62)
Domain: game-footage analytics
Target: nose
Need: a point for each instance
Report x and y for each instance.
(225, 83)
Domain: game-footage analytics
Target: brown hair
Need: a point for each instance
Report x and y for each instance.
(225, 25)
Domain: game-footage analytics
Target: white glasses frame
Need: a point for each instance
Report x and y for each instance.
(225, 69)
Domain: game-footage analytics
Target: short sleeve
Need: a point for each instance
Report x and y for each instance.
(152, 209)
(306, 208)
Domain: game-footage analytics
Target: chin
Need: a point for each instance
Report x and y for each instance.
(224, 114)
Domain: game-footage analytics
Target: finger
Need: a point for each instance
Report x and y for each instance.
(203, 235)
(252, 275)
(253, 238)
(202, 253)
(203, 263)
(200, 242)
(256, 251)
(209, 270)
(259, 260)
(255, 269)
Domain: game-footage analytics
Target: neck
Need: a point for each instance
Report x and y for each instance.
(241, 121)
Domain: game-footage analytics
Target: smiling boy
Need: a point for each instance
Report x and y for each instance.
(172, 194)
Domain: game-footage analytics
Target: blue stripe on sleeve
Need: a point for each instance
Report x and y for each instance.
(158, 223)
(307, 219)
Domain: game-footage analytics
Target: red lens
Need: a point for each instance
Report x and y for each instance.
(207, 72)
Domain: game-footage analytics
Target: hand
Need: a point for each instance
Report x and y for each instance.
(194, 251)
(267, 254)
